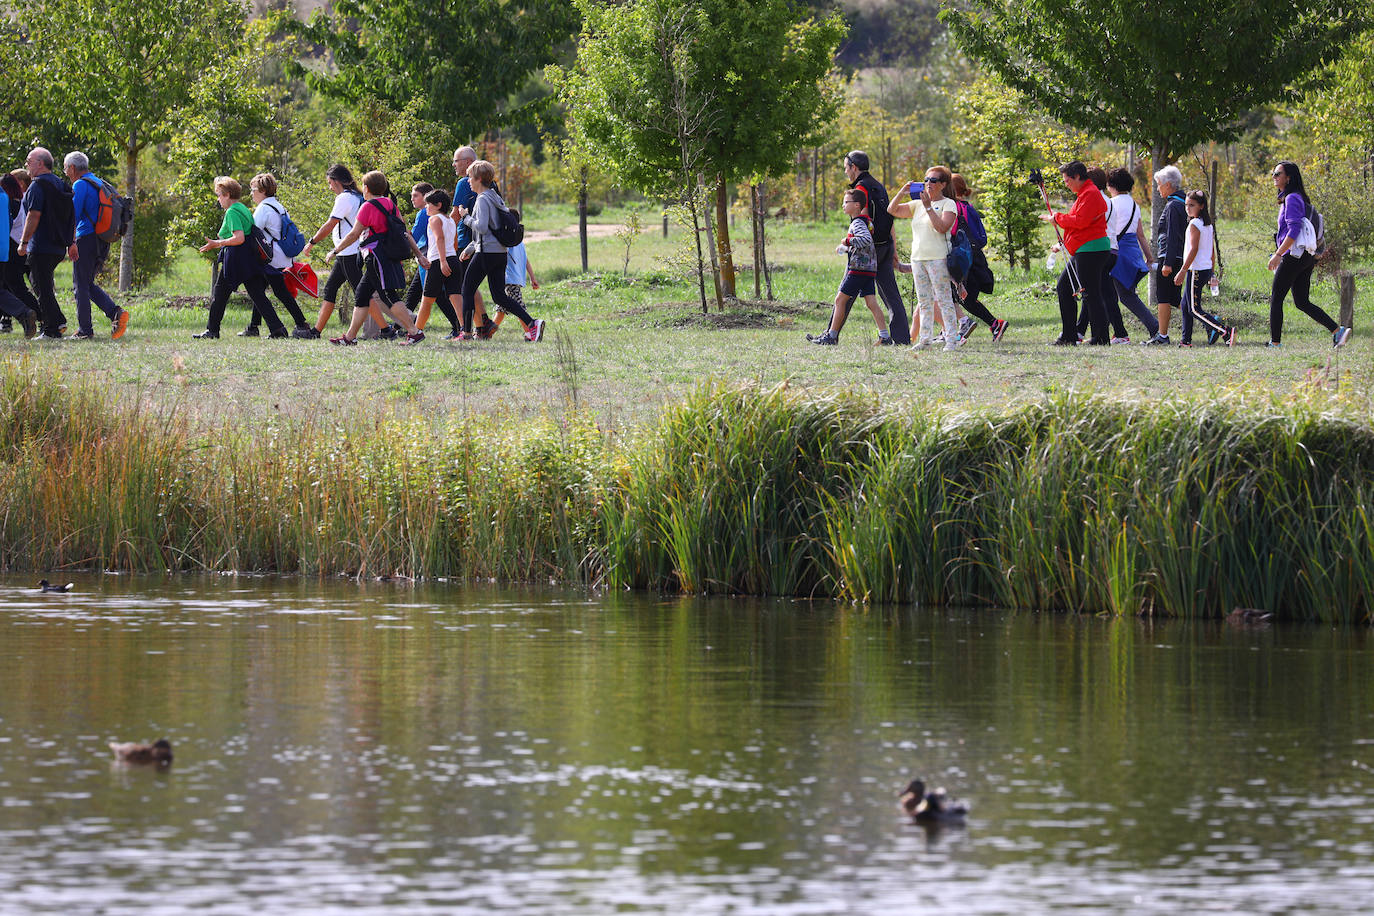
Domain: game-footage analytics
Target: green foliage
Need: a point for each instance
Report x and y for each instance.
(1338, 107)
(1167, 77)
(152, 259)
(453, 61)
(1342, 191)
(997, 128)
(747, 79)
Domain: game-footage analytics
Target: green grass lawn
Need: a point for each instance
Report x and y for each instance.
(623, 346)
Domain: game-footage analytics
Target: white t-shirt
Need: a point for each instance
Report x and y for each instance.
(926, 243)
(450, 229)
(1203, 261)
(1122, 216)
(268, 219)
(345, 210)
(17, 227)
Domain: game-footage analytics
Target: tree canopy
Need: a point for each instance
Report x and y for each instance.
(459, 60)
(1168, 75)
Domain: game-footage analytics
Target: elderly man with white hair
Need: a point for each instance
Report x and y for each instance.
(1171, 230)
(88, 252)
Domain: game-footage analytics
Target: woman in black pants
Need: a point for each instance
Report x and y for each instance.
(488, 255)
(239, 264)
(980, 278)
(15, 279)
(1295, 258)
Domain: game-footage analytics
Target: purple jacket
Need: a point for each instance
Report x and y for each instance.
(1291, 215)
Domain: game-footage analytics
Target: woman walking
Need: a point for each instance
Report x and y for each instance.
(980, 278)
(1295, 257)
(387, 238)
(347, 262)
(15, 277)
(488, 255)
(268, 214)
(933, 216)
(239, 264)
(1085, 240)
(1132, 248)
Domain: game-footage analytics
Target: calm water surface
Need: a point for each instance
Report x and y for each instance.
(395, 749)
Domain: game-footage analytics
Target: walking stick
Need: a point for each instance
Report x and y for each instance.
(1039, 181)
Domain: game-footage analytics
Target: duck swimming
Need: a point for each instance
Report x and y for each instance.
(1242, 616)
(159, 752)
(45, 586)
(930, 807)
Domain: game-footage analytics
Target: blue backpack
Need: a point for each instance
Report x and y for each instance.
(292, 242)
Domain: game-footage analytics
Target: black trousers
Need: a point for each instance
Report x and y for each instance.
(17, 277)
(1089, 266)
(1295, 274)
(891, 295)
(41, 268)
(90, 257)
(277, 283)
(1109, 302)
(492, 267)
(256, 288)
(974, 306)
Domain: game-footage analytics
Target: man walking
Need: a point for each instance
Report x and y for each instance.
(466, 198)
(876, 200)
(48, 232)
(88, 252)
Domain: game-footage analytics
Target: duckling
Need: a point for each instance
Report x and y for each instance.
(1243, 616)
(159, 752)
(930, 807)
(45, 586)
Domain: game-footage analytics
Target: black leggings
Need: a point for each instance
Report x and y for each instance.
(277, 283)
(346, 267)
(492, 266)
(16, 277)
(256, 288)
(1089, 266)
(1109, 302)
(974, 306)
(373, 285)
(1295, 274)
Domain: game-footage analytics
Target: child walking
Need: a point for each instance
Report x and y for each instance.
(443, 281)
(1199, 244)
(860, 275)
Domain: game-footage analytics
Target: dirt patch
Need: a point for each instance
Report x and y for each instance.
(746, 315)
(594, 231)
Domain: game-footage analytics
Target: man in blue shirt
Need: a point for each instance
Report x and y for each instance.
(48, 232)
(88, 252)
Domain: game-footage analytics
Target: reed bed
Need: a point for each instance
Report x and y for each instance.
(1078, 503)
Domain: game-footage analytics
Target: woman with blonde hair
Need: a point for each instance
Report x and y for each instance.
(239, 264)
(933, 216)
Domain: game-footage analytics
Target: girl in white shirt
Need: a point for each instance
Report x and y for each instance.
(444, 279)
(1198, 245)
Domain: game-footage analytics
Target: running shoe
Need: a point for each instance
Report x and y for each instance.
(953, 343)
(1062, 341)
(249, 331)
(121, 324)
(999, 327)
(412, 339)
(344, 341)
(536, 331)
(84, 335)
(1273, 345)
(1340, 337)
(1185, 344)
(1213, 335)
(206, 334)
(966, 326)
(1117, 341)
(886, 341)
(922, 343)
(30, 322)
(306, 334)
(1159, 340)
(826, 340)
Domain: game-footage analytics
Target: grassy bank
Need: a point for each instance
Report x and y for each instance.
(1082, 503)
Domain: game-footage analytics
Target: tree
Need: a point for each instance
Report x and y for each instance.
(1167, 76)
(762, 62)
(1338, 105)
(116, 70)
(457, 59)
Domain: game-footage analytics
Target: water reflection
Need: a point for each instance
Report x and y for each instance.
(402, 748)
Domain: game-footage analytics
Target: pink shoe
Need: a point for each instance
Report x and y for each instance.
(536, 331)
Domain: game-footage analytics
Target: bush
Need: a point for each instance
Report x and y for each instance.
(154, 212)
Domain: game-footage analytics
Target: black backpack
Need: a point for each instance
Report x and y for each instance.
(391, 244)
(57, 199)
(508, 229)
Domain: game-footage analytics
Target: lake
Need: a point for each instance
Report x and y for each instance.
(387, 747)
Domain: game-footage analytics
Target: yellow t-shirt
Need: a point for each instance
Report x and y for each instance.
(926, 243)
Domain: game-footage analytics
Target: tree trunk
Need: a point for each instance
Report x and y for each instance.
(1347, 286)
(126, 247)
(755, 227)
(815, 168)
(763, 242)
(711, 243)
(692, 201)
(1157, 162)
(727, 263)
(582, 214)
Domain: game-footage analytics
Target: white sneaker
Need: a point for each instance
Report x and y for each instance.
(952, 343)
(922, 343)
(1118, 341)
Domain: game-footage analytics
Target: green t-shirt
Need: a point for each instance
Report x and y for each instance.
(1102, 244)
(237, 218)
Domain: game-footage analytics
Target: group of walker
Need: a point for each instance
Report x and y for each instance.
(1108, 255)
